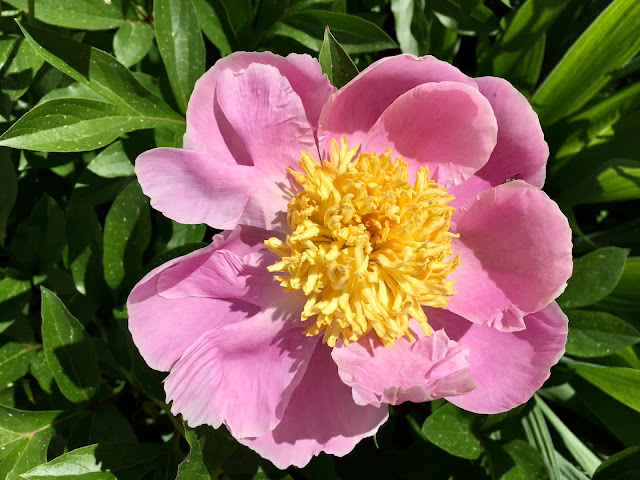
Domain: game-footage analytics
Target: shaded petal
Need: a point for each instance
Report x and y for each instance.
(420, 371)
(521, 149)
(263, 120)
(302, 71)
(356, 107)
(515, 255)
(507, 367)
(448, 126)
(163, 326)
(241, 374)
(192, 187)
(321, 417)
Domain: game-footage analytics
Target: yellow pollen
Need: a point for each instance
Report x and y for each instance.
(366, 247)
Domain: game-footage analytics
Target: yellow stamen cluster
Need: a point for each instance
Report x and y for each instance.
(366, 247)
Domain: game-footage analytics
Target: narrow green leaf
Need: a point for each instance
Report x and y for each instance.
(621, 383)
(626, 295)
(467, 17)
(132, 42)
(595, 275)
(596, 334)
(8, 191)
(568, 470)
(609, 42)
(211, 26)
(127, 231)
(104, 461)
(335, 62)
(408, 15)
(79, 14)
(100, 72)
(68, 350)
(181, 46)
(620, 466)
(75, 125)
(450, 428)
(538, 436)
(515, 460)
(15, 358)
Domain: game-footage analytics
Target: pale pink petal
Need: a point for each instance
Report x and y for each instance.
(515, 255)
(163, 327)
(321, 417)
(263, 120)
(356, 107)
(448, 126)
(192, 187)
(302, 71)
(521, 149)
(241, 375)
(420, 371)
(507, 367)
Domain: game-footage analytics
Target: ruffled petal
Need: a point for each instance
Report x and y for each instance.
(302, 71)
(448, 126)
(420, 371)
(521, 150)
(192, 187)
(515, 255)
(321, 417)
(356, 107)
(242, 374)
(507, 367)
(262, 120)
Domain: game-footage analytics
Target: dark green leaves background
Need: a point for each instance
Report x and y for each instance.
(87, 85)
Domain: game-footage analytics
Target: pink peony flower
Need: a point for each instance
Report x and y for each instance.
(368, 315)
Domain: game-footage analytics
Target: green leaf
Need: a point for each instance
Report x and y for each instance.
(450, 428)
(127, 230)
(100, 72)
(84, 248)
(597, 334)
(626, 295)
(335, 62)
(623, 384)
(78, 14)
(31, 452)
(16, 426)
(132, 42)
(516, 460)
(355, 34)
(411, 27)
(104, 461)
(104, 424)
(40, 370)
(193, 467)
(211, 26)
(181, 46)
(75, 125)
(609, 42)
(595, 275)
(23, 64)
(68, 350)
(8, 191)
(537, 433)
(15, 358)
(467, 17)
(620, 466)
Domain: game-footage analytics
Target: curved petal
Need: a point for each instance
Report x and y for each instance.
(163, 325)
(515, 255)
(356, 107)
(321, 417)
(262, 120)
(521, 150)
(192, 187)
(241, 374)
(302, 71)
(448, 126)
(420, 371)
(507, 367)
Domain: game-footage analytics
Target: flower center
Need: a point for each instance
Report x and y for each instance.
(366, 247)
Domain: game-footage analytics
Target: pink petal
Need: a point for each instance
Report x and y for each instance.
(356, 107)
(241, 374)
(428, 368)
(163, 326)
(262, 120)
(507, 367)
(448, 126)
(515, 255)
(192, 187)
(321, 417)
(521, 149)
(302, 71)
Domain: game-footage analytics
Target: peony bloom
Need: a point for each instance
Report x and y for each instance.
(410, 279)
